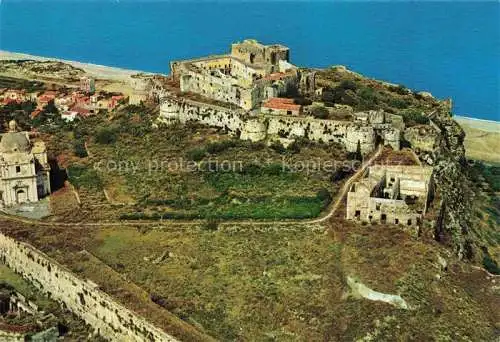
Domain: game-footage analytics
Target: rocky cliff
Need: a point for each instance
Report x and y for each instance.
(455, 189)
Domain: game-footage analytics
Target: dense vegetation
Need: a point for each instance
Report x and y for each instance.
(347, 88)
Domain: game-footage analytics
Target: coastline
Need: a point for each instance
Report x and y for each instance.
(480, 124)
(124, 75)
(95, 70)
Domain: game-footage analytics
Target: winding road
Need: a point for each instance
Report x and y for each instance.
(331, 211)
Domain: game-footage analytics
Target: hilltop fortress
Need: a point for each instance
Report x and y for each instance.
(250, 93)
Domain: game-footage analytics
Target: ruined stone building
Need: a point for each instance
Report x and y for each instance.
(251, 93)
(391, 194)
(24, 169)
(251, 73)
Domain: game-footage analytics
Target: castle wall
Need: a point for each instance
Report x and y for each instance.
(344, 132)
(110, 319)
(184, 110)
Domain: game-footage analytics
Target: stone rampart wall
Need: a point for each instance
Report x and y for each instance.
(110, 319)
(351, 135)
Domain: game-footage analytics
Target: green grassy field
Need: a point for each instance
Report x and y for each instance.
(290, 284)
(197, 172)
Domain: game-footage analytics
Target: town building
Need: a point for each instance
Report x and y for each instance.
(281, 106)
(87, 85)
(398, 194)
(16, 95)
(44, 99)
(24, 168)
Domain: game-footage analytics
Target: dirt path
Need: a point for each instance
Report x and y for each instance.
(332, 210)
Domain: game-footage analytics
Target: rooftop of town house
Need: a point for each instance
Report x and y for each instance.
(81, 111)
(281, 103)
(275, 76)
(17, 91)
(9, 100)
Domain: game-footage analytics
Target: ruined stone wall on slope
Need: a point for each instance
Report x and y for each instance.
(110, 319)
(184, 110)
(348, 133)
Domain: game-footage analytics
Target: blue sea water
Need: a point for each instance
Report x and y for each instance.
(451, 49)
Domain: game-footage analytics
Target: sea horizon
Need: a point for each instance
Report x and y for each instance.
(440, 53)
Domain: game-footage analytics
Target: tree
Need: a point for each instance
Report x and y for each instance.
(320, 112)
(79, 148)
(356, 155)
(348, 85)
(106, 136)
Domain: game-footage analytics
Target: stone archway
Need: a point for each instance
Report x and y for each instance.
(21, 195)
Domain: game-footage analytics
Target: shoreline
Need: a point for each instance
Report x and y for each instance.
(480, 124)
(95, 70)
(100, 71)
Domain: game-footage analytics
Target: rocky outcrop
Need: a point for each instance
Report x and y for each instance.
(423, 138)
(455, 189)
(358, 289)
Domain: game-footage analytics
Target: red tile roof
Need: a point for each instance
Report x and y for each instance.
(275, 76)
(35, 113)
(281, 103)
(46, 98)
(81, 111)
(10, 100)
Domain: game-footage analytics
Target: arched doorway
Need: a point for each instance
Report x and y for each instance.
(21, 196)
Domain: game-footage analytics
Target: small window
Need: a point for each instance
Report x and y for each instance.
(18, 169)
(377, 206)
(289, 112)
(358, 213)
(396, 221)
(409, 222)
(383, 217)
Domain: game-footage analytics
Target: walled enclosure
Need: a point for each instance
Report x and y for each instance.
(258, 127)
(110, 319)
(394, 194)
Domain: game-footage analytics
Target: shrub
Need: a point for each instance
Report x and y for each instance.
(106, 136)
(210, 224)
(399, 103)
(220, 146)
(328, 96)
(79, 148)
(196, 154)
(490, 265)
(278, 147)
(302, 101)
(368, 97)
(400, 89)
(294, 147)
(414, 117)
(324, 195)
(82, 176)
(320, 112)
(348, 85)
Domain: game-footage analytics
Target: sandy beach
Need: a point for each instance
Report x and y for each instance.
(94, 70)
(482, 138)
(483, 125)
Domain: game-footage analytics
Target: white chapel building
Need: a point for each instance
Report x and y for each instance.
(24, 169)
